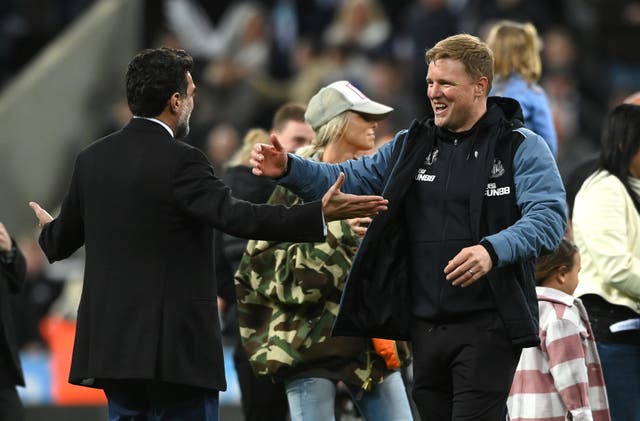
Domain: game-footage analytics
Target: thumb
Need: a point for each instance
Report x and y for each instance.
(36, 207)
(276, 143)
(42, 215)
(339, 182)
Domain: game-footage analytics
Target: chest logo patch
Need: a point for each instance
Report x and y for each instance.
(423, 176)
(497, 169)
(494, 190)
(431, 158)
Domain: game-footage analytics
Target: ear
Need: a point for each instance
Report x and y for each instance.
(175, 101)
(481, 86)
(561, 275)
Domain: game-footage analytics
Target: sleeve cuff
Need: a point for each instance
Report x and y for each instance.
(492, 253)
(289, 163)
(324, 225)
(7, 257)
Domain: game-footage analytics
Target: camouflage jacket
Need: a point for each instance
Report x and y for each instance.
(288, 297)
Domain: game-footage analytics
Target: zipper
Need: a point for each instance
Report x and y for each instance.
(397, 163)
(368, 383)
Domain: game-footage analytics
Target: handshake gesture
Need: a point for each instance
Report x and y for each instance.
(271, 161)
(337, 205)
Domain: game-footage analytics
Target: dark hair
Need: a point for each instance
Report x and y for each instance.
(548, 264)
(620, 142)
(288, 112)
(153, 76)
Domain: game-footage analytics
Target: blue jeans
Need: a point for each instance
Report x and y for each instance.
(621, 368)
(312, 399)
(144, 400)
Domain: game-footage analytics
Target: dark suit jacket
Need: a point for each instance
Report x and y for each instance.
(11, 282)
(144, 204)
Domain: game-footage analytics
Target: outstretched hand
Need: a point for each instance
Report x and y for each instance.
(269, 160)
(337, 205)
(42, 215)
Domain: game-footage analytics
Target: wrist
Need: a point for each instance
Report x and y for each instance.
(287, 166)
(492, 253)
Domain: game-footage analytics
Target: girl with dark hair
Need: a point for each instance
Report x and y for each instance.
(561, 378)
(606, 224)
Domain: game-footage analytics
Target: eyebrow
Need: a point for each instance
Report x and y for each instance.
(441, 81)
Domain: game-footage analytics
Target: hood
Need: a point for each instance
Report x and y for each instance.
(508, 107)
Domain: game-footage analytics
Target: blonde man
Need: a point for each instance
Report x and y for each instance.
(474, 198)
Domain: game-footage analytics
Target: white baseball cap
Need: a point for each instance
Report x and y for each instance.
(339, 97)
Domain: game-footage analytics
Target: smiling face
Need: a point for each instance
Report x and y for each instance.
(457, 100)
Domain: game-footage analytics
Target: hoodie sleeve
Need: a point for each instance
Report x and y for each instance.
(310, 180)
(541, 198)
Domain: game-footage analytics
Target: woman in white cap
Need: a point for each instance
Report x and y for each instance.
(289, 293)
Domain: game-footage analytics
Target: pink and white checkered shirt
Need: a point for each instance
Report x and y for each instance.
(562, 378)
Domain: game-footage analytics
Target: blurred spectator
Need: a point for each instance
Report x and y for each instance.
(221, 142)
(358, 25)
(239, 37)
(619, 34)
(386, 82)
(425, 23)
(477, 15)
(290, 127)
(34, 301)
(606, 227)
(314, 65)
(585, 166)
(12, 270)
(517, 68)
(577, 117)
(226, 54)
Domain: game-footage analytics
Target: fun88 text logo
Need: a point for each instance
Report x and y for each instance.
(494, 190)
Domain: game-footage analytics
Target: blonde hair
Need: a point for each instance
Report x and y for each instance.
(331, 130)
(516, 48)
(471, 51)
(243, 155)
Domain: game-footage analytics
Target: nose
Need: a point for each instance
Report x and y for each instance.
(434, 91)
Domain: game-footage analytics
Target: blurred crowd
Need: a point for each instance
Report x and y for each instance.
(252, 56)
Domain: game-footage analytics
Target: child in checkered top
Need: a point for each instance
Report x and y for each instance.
(561, 379)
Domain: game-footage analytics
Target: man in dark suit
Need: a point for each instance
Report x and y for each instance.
(12, 273)
(144, 203)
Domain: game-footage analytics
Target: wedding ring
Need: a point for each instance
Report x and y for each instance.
(471, 272)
